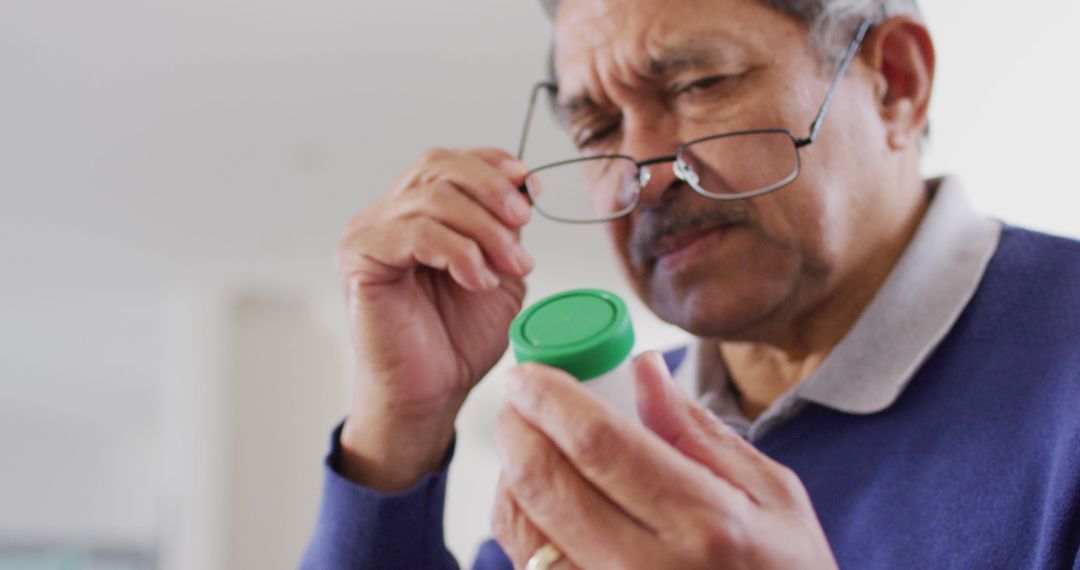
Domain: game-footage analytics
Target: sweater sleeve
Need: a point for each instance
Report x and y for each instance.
(359, 528)
(492, 557)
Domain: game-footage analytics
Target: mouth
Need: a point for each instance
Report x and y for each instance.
(685, 245)
(677, 230)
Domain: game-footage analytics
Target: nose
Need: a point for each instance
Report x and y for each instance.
(653, 145)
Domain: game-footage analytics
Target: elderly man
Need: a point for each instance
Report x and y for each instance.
(882, 379)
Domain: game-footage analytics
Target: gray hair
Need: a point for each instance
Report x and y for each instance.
(831, 22)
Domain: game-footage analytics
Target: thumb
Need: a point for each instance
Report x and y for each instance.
(661, 404)
(695, 432)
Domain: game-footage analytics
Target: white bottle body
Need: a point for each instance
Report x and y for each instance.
(616, 387)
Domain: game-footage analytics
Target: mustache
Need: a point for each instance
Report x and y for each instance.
(671, 217)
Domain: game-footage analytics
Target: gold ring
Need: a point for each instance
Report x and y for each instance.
(544, 557)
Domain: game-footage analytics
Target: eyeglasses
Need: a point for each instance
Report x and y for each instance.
(728, 166)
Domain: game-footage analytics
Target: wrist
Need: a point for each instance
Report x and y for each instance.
(389, 454)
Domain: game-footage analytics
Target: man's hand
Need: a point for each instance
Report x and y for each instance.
(432, 274)
(608, 493)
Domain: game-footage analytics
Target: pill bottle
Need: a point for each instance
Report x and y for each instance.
(587, 333)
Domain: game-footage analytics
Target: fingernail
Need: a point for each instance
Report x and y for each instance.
(651, 357)
(518, 394)
(514, 169)
(490, 279)
(518, 209)
(656, 360)
(523, 260)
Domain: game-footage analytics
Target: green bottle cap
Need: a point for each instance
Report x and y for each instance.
(585, 332)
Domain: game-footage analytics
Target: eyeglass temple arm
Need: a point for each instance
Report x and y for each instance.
(853, 49)
(542, 86)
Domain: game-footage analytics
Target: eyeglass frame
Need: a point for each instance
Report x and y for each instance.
(680, 168)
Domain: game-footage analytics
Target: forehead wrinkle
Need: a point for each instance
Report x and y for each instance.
(647, 56)
(585, 99)
(622, 66)
(637, 71)
(594, 28)
(639, 56)
(671, 59)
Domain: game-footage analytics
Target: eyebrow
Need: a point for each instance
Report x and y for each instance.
(681, 57)
(670, 61)
(578, 105)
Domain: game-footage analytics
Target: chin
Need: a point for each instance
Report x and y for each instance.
(730, 288)
(727, 306)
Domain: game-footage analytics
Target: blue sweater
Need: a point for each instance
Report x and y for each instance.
(977, 465)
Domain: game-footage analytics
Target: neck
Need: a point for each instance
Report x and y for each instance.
(761, 372)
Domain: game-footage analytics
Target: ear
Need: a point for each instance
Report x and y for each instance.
(901, 53)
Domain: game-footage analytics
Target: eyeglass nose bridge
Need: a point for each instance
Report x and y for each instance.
(680, 168)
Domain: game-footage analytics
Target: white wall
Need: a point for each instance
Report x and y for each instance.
(173, 176)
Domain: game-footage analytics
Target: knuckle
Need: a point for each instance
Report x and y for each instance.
(422, 230)
(504, 529)
(595, 443)
(501, 519)
(491, 151)
(430, 199)
(702, 416)
(530, 481)
(468, 253)
(354, 243)
(432, 167)
(425, 194)
(505, 238)
(793, 491)
(722, 538)
(442, 191)
(787, 477)
(714, 430)
(473, 252)
(434, 154)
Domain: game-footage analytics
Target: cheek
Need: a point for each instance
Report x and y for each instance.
(618, 233)
(614, 188)
(811, 220)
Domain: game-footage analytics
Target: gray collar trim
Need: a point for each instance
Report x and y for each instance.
(915, 308)
(918, 304)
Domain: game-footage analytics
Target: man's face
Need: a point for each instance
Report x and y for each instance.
(657, 73)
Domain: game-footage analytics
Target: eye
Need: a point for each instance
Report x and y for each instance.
(714, 87)
(592, 137)
(703, 85)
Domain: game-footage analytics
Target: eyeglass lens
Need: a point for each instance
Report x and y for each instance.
(727, 167)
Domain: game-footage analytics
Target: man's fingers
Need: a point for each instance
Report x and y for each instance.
(638, 471)
(514, 533)
(660, 406)
(492, 185)
(576, 517)
(502, 160)
(454, 211)
(381, 257)
(447, 204)
(698, 434)
(518, 537)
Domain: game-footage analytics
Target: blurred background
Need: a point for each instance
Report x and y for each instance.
(173, 178)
